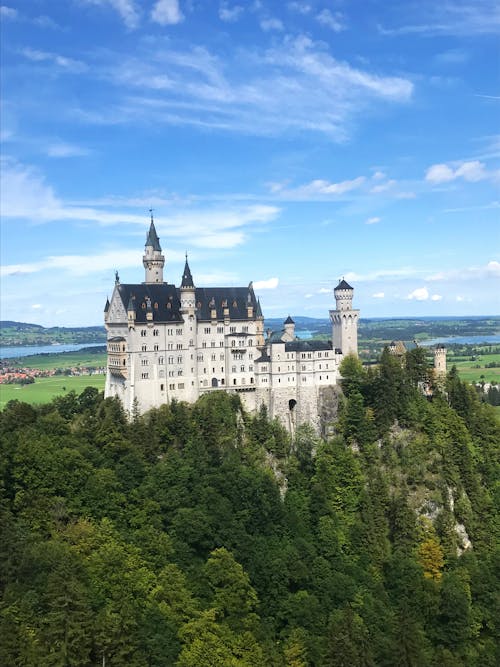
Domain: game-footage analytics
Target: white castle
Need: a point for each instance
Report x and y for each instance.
(166, 342)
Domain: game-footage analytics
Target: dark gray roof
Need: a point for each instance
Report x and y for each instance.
(342, 285)
(308, 345)
(116, 339)
(289, 320)
(187, 278)
(258, 310)
(163, 300)
(152, 238)
(106, 307)
(263, 359)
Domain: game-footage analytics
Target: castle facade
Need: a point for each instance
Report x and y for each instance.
(166, 342)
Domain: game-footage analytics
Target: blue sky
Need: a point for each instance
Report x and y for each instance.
(288, 143)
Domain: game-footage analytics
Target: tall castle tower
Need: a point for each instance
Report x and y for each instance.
(152, 260)
(344, 320)
(440, 361)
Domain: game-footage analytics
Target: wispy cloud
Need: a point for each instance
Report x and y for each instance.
(8, 12)
(69, 64)
(268, 24)
(460, 18)
(334, 21)
(373, 220)
(295, 86)
(230, 13)
(26, 195)
(127, 10)
(63, 150)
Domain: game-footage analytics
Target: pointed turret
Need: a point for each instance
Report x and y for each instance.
(289, 333)
(187, 278)
(258, 310)
(344, 320)
(188, 292)
(106, 307)
(153, 261)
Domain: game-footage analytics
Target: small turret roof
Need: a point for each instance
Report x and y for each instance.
(152, 237)
(187, 278)
(258, 310)
(106, 307)
(343, 285)
(289, 320)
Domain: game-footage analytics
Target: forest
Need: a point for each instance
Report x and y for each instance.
(202, 536)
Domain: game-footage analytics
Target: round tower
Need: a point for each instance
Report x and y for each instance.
(289, 328)
(440, 360)
(344, 320)
(153, 261)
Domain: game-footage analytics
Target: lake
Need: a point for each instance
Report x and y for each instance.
(28, 350)
(463, 340)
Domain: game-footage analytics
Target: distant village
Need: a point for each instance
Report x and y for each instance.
(13, 374)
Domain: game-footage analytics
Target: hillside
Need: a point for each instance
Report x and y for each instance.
(23, 333)
(198, 535)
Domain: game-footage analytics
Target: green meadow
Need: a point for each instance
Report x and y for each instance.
(475, 371)
(63, 360)
(45, 389)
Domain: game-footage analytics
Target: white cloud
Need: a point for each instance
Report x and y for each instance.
(230, 14)
(8, 12)
(322, 187)
(372, 221)
(378, 176)
(270, 283)
(470, 171)
(25, 194)
(269, 24)
(493, 268)
(383, 187)
(378, 295)
(436, 297)
(126, 9)
(333, 21)
(167, 12)
(324, 290)
(36, 306)
(419, 294)
(300, 7)
(295, 86)
(62, 150)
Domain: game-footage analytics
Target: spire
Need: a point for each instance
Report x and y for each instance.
(152, 237)
(106, 307)
(258, 310)
(187, 278)
(289, 320)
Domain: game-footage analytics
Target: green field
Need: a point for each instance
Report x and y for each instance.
(45, 389)
(468, 370)
(62, 360)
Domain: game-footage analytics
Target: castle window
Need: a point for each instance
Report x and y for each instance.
(244, 329)
(220, 330)
(232, 329)
(145, 376)
(179, 360)
(235, 305)
(143, 306)
(179, 373)
(222, 369)
(156, 332)
(162, 387)
(181, 385)
(233, 343)
(156, 348)
(170, 332)
(156, 305)
(204, 344)
(171, 386)
(213, 357)
(242, 369)
(250, 342)
(170, 374)
(144, 362)
(250, 356)
(179, 346)
(143, 332)
(222, 381)
(221, 344)
(191, 343)
(144, 348)
(234, 381)
(233, 369)
(178, 332)
(170, 346)
(221, 357)
(319, 356)
(207, 330)
(170, 360)
(169, 305)
(251, 380)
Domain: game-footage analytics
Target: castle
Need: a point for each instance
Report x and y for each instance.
(166, 342)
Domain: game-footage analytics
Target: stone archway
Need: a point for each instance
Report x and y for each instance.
(215, 382)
